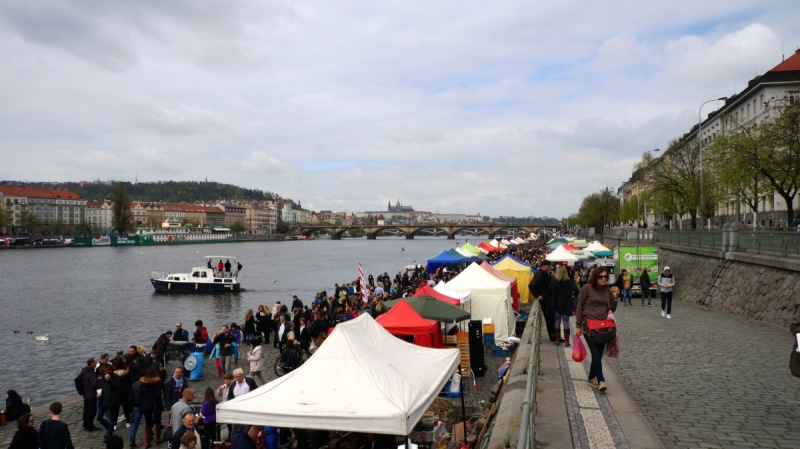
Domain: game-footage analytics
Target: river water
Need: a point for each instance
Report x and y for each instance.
(95, 300)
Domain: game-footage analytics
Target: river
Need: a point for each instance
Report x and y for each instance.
(95, 300)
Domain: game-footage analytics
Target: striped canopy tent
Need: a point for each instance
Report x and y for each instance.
(511, 266)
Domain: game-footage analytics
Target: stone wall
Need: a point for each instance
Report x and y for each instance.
(758, 287)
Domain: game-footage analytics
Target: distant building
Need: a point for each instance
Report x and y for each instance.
(48, 205)
(100, 215)
(399, 208)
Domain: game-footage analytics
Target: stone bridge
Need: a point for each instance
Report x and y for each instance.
(451, 229)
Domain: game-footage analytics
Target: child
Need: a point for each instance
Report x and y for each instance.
(215, 355)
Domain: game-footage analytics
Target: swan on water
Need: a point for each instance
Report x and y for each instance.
(45, 337)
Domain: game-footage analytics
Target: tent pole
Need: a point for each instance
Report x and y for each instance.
(406, 442)
(463, 409)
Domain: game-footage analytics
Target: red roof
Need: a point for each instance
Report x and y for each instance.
(790, 64)
(39, 192)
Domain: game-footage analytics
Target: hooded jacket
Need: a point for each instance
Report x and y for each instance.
(146, 393)
(666, 279)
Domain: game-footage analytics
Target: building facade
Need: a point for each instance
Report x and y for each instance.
(100, 215)
(47, 205)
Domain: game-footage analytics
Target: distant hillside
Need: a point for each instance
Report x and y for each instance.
(164, 191)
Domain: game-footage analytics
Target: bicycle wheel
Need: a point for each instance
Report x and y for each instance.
(279, 367)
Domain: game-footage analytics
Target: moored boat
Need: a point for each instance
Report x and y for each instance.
(201, 279)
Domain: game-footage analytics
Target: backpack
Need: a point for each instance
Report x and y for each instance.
(203, 335)
(79, 385)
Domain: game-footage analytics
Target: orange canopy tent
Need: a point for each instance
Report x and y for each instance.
(489, 248)
(571, 247)
(500, 275)
(402, 320)
(427, 290)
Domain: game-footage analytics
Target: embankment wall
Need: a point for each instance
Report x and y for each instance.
(760, 287)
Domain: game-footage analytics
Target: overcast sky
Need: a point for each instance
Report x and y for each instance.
(503, 108)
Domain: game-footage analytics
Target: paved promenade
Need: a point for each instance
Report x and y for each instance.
(703, 379)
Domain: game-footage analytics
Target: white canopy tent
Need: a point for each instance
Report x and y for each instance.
(561, 255)
(373, 382)
(519, 240)
(491, 298)
(442, 288)
(595, 246)
(464, 252)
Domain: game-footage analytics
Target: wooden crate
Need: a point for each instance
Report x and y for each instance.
(463, 346)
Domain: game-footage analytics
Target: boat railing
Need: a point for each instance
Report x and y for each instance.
(158, 276)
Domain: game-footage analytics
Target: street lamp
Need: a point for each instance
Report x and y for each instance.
(700, 144)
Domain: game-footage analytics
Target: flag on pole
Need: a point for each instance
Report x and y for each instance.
(363, 286)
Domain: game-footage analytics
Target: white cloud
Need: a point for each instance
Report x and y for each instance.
(451, 106)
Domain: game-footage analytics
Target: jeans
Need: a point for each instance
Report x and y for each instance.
(666, 302)
(561, 321)
(627, 294)
(596, 367)
(89, 412)
(137, 417)
(248, 338)
(209, 434)
(226, 363)
(645, 294)
(109, 418)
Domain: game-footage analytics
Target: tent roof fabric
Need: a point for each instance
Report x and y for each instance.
(381, 385)
(571, 247)
(445, 257)
(472, 249)
(491, 298)
(455, 253)
(442, 288)
(596, 246)
(404, 320)
(511, 260)
(427, 290)
(433, 309)
(561, 255)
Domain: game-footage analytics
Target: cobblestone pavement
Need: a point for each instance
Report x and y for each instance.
(708, 379)
(73, 407)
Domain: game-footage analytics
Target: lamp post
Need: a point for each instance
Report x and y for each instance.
(700, 145)
(645, 202)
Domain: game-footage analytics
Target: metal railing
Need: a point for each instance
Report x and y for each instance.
(782, 242)
(702, 239)
(527, 428)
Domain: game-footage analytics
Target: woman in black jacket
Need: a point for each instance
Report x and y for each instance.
(108, 383)
(559, 302)
(26, 437)
(145, 397)
(125, 381)
(304, 336)
(263, 323)
(14, 406)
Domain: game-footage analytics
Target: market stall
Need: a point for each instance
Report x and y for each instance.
(491, 298)
(442, 288)
(431, 308)
(512, 280)
(427, 290)
(402, 320)
(374, 383)
(562, 255)
(511, 266)
(443, 260)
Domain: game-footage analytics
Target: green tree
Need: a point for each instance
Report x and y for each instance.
(58, 227)
(353, 232)
(29, 222)
(629, 212)
(283, 227)
(597, 210)
(83, 228)
(238, 227)
(123, 217)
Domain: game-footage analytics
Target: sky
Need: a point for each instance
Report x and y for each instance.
(499, 108)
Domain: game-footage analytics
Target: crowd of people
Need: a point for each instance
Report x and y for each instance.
(134, 387)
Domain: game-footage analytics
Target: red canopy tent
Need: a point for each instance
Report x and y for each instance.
(430, 291)
(487, 247)
(571, 247)
(500, 275)
(403, 320)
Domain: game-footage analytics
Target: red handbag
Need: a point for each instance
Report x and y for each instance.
(595, 325)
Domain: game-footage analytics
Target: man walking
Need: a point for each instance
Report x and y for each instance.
(225, 342)
(180, 408)
(538, 288)
(54, 434)
(89, 379)
(665, 283)
(175, 387)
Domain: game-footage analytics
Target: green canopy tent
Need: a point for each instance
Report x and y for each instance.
(471, 248)
(433, 309)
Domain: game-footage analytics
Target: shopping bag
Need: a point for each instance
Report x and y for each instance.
(578, 349)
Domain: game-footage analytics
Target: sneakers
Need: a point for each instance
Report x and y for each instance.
(128, 425)
(650, 305)
(593, 383)
(668, 317)
(602, 386)
(663, 314)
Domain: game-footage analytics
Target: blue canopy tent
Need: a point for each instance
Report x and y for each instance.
(443, 260)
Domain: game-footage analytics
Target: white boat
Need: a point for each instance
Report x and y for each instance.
(201, 279)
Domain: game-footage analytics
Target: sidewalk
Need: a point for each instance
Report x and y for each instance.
(572, 414)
